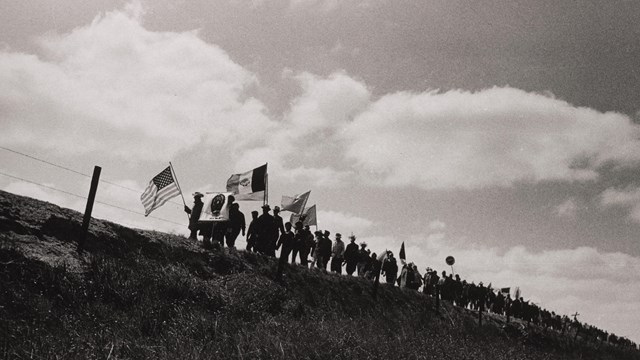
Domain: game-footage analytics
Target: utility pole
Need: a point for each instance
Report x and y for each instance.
(87, 212)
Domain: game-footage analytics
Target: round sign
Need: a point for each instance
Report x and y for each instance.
(450, 260)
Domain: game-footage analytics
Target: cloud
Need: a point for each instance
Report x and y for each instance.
(307, 146)
(437, 225)
(343, 223)
(628, 198)
(114, 87)
(567, 209)
(493, 137)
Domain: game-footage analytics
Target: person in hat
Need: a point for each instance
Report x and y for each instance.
(363, 258)
(279, 221)
(324, 250)
(236, 225)
(351, 255)
(287, 242)
(194, 215)
(267, 230)
(307, 246)
(338, 254)
(390, 269)
(252, 234)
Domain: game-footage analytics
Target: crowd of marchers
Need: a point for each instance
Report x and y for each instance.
(266, 234)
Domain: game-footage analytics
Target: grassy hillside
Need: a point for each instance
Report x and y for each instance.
(143, 294)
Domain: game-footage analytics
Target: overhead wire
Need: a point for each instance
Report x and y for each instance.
(84, 197)
(76, 171)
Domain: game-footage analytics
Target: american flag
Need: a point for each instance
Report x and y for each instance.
(161, 188)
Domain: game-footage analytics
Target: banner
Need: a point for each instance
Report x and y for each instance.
(216, 206)
(308, 218)
(295, 203)
(250, 185)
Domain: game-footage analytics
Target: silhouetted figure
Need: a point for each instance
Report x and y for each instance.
(252, 233)
(323, 250)
(278, 219)
(307, 245)
(369, 268)
(267, 232)
(194, 215)
(363, 258)
(286, 242)
(337, 251)
(390, 269)
(235, 226)
(351, 255)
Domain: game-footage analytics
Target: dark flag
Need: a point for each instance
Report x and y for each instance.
(402, 255)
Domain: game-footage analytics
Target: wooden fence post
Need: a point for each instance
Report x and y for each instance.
(87, 212)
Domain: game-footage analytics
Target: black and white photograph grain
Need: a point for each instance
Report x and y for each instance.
(320, 179)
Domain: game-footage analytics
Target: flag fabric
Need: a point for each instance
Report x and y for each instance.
(294, 204)
(308, 218)
(160, 189)
(402, 255)
(216, 206)
(506, 290)
(250, 185)
(517, 294)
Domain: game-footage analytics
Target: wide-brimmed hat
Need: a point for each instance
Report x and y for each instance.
(327, 233)
(277, 208)
(338, 235)
(197, 194)
(266, 207)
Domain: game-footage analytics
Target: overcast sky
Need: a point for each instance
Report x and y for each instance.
(500, 132)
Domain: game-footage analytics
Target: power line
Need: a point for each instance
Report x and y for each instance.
(74, 171)
(84, 197)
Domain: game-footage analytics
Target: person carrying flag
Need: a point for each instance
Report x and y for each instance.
(194, 215)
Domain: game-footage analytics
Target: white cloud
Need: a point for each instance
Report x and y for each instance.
(344, 223)
(568, 209)
(437, 225)
(627, 198)
(115, 87)
(496, 136)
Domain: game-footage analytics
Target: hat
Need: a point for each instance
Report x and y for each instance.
(327, 233)
(318, 232)
(363, 244)
(197, 194)
(277, 208)
(338, 235)
(266, 207)
(352, 237)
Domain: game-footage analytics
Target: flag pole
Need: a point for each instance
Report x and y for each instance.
(179, 188)
(265, 200)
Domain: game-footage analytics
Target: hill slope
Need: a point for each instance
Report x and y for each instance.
(144, 294)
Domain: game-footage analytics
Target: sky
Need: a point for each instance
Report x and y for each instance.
(503, 133)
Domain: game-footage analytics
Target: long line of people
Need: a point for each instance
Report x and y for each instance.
(268, 233)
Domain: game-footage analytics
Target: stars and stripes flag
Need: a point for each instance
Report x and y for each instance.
(250, 185)
(160, 189)
(295, 203)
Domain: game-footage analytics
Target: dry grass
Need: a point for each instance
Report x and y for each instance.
(139, 294)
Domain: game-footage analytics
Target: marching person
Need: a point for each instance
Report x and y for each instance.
(235, 226)
(351, 255)
(338, 254)
(252, 233)
(194, 215)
